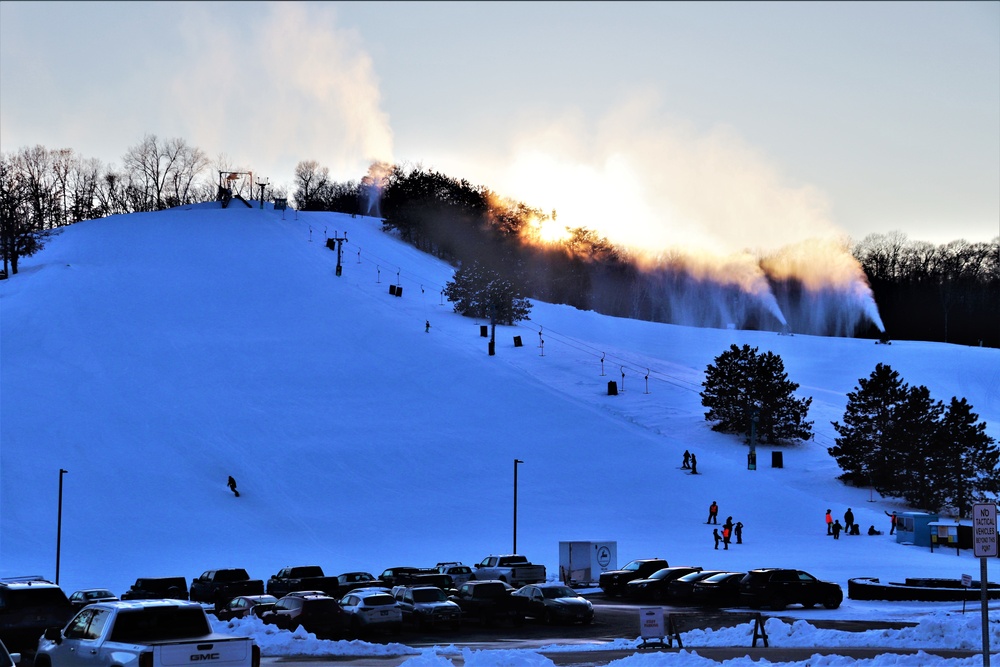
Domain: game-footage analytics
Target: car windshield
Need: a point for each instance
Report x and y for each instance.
(696, 576)
(93, 595)
(558, 592)
(633, 566)
(660, 574)
(429, 595)
(717, 578)
(379, 600)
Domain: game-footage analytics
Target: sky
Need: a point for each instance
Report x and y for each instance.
(153, 355)
(723, 126)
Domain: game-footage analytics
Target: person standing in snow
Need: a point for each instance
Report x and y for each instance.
(715, 534)
(713, 513)
(892, 522)
(738, 529)
(848, 520)
(427, 326)
(232, 486)
(727, 531)
(694, 465)
(836, 529)
(829, 522)
(687, 461)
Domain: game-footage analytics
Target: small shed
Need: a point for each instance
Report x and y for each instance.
(582, 562)
(914, 528)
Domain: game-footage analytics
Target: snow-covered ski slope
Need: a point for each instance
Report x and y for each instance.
(152, 355)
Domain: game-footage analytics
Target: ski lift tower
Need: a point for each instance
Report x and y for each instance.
(261, 184)
(231, 184)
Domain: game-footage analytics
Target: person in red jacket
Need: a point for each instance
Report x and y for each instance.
(713, 513)
(829, 522)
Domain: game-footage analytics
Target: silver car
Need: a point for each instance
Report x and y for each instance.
(372, 610)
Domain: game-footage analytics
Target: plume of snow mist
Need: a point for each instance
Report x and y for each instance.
(279, 85)
(372, 185)
(821, 288)
(701, 289)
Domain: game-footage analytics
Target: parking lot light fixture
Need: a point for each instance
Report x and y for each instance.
(59, 523)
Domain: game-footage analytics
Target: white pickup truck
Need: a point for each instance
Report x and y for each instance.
(143, 633)
(511, 569)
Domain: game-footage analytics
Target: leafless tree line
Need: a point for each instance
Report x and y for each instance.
(43, 189)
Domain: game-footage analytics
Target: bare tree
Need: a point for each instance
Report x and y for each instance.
(21, 232)
(311, 184)
(163, 171)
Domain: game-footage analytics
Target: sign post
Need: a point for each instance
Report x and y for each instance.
(984, 540)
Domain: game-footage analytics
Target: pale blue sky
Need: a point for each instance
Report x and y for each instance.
(735, 124)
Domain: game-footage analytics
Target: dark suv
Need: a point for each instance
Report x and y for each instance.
(777, 588)
(614, 582)
(27, 608)
(154, 588)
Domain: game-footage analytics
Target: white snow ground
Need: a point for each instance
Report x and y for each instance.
(152, 355)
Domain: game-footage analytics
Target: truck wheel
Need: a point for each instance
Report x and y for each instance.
(833, 602)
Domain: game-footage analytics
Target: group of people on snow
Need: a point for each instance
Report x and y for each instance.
(850, 527)
(729, 529)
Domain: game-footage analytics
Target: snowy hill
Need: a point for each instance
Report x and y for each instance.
(152, 355)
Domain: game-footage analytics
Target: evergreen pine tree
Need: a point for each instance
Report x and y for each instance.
(914, 457)
(742, 384)
(868, 445)
(969, 465)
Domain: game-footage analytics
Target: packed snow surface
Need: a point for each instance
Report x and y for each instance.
(153, 355)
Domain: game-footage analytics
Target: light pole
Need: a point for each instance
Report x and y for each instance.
(752, 456)
(59, 523)
(516, 461)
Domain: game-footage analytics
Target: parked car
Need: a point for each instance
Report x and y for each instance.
(220, 586)
(655, 587)
(8, 659)
(398, 576)
(300, 578)
(157, 588)
(152, 633)
(719, 590)
(613, 582)
(553, 603)
(246, 605)
(779, 587)
(80, 599)
(372, 610)
(27, 608)
(487, 602)
(679, 590)
(318, 614)
(458, 572)
(427, 606)
(348, 581)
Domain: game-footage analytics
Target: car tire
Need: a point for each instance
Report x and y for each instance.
(43, 661)
(808, 604)
(833, 601)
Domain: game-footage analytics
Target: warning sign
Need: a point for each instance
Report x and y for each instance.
(984, 530)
